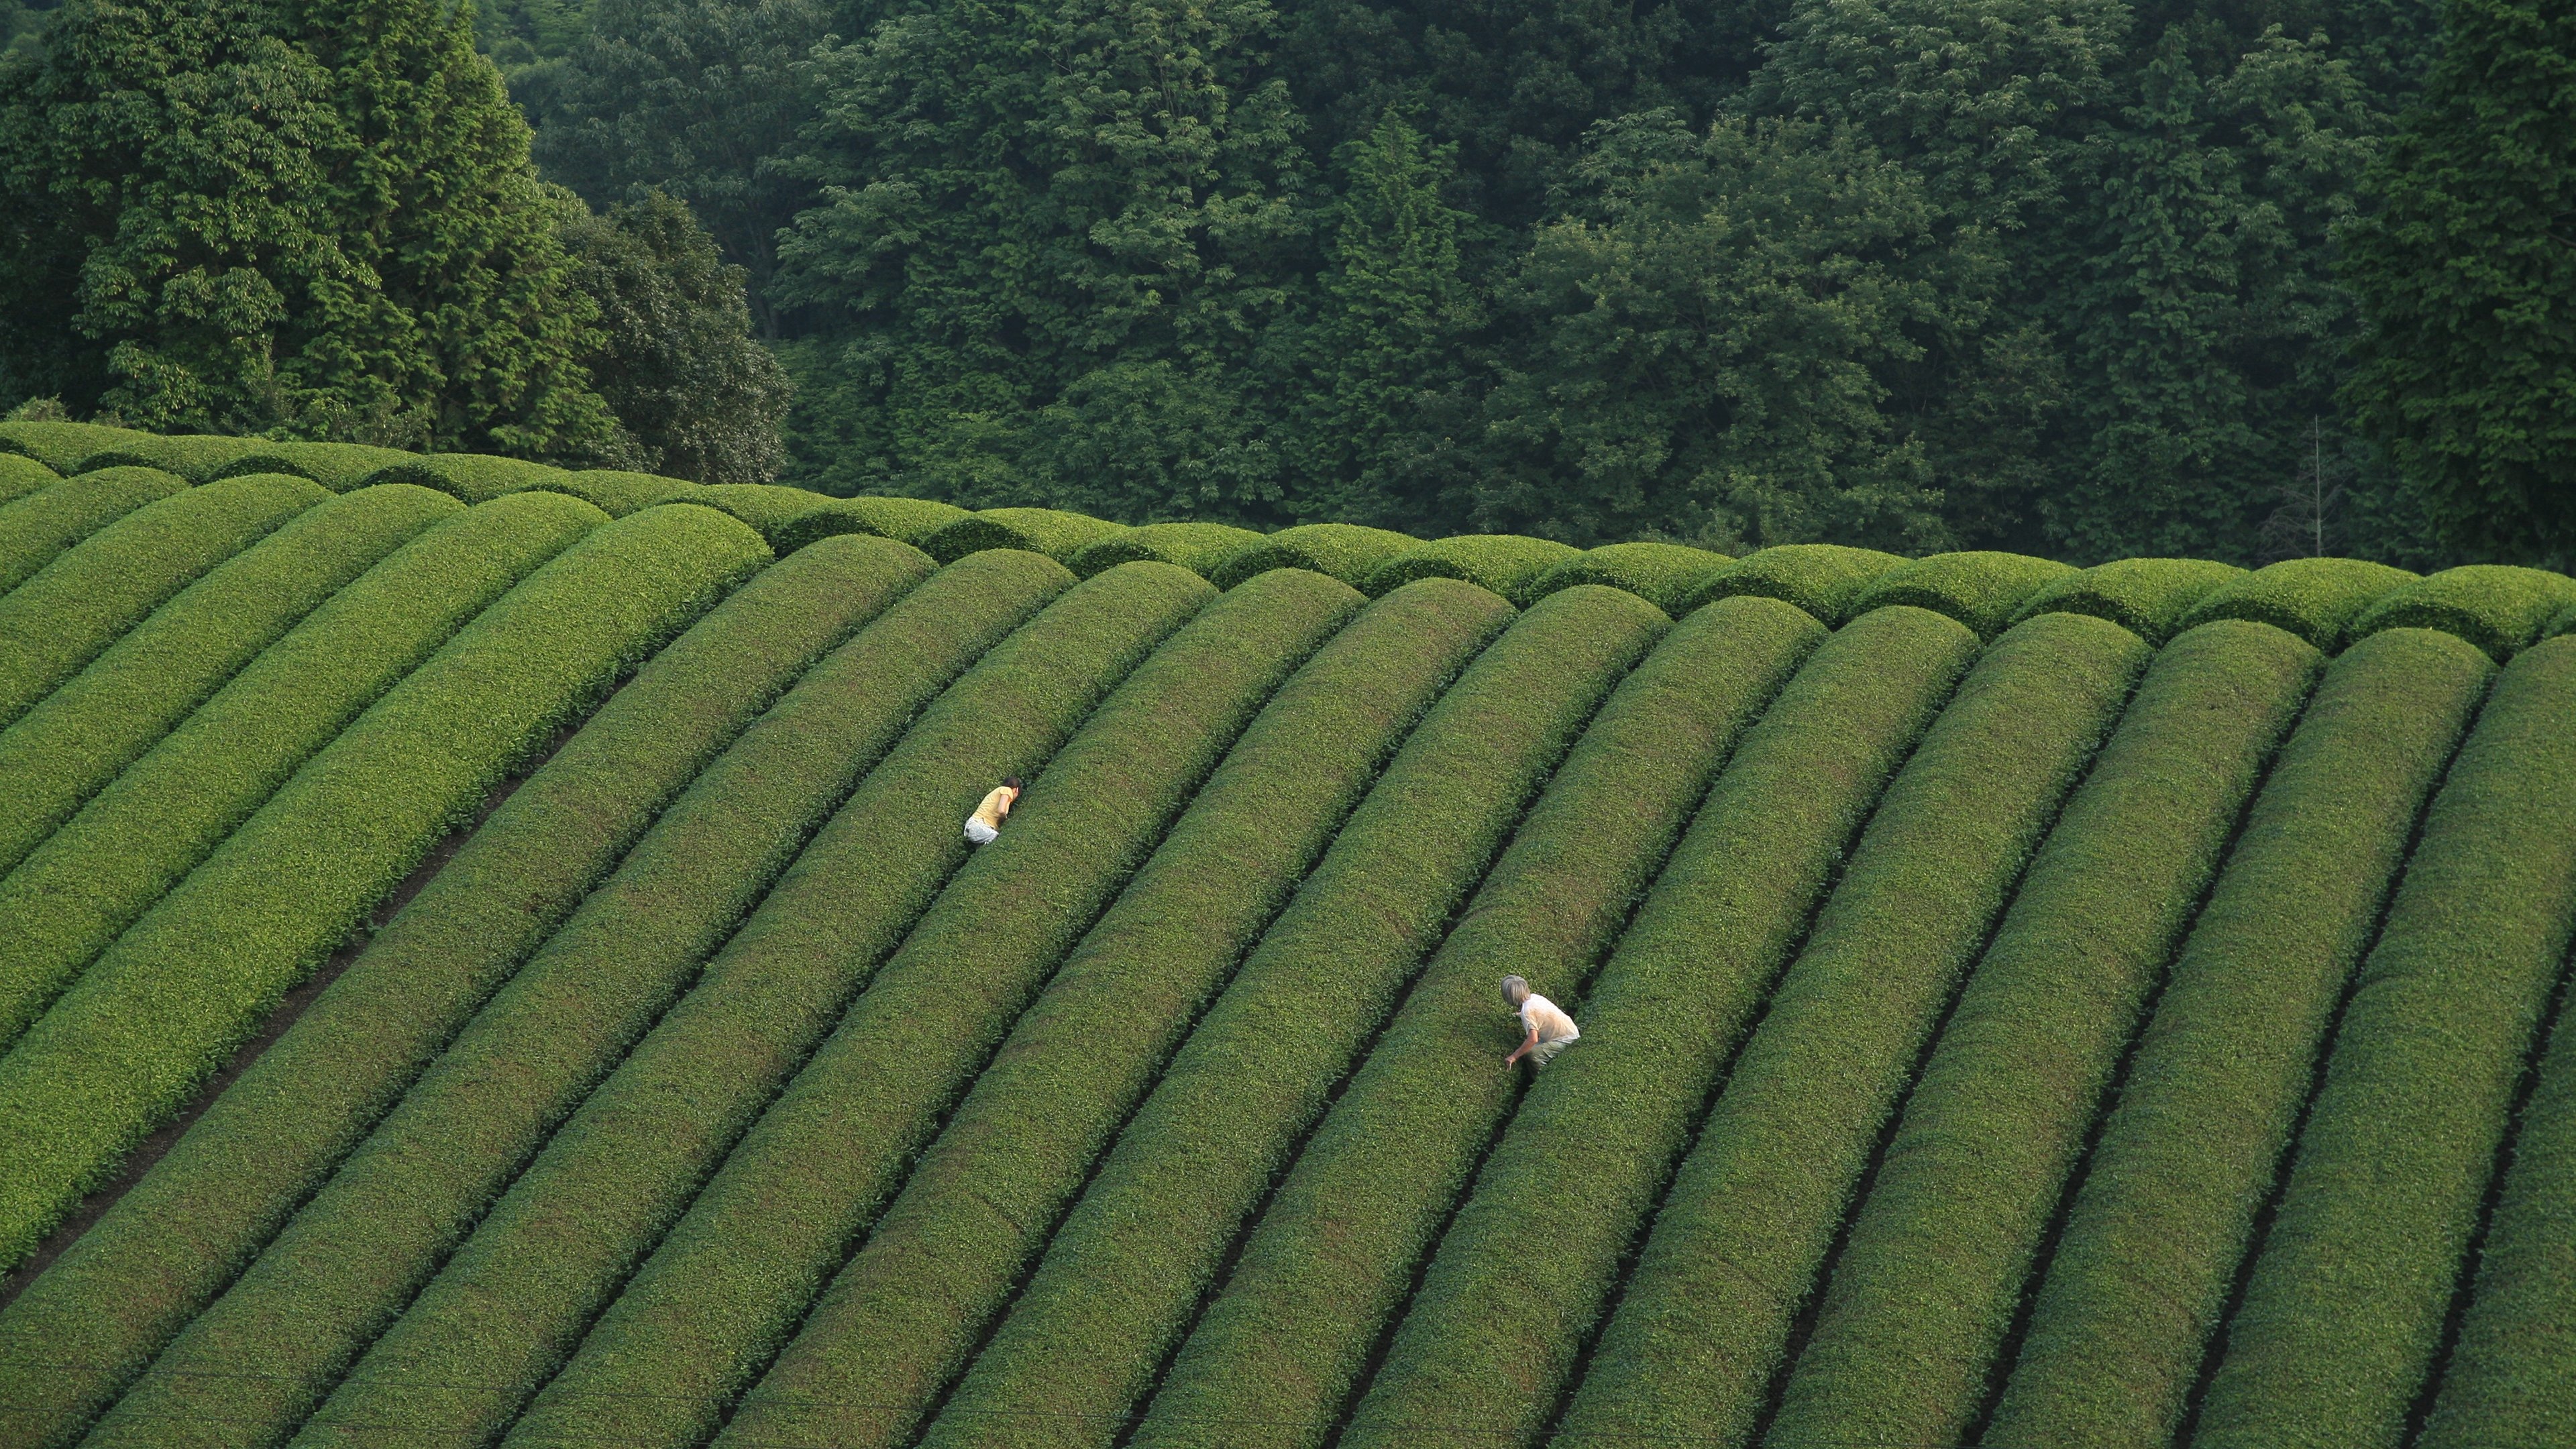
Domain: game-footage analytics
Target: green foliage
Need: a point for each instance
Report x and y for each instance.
(1056, 534)
(618, 1173)
(1926, 1284)
(57, 622)
(2465, 374)
(1985, 591)
(20, 476)
(908, 520)
(164, 814)
(2141, 1274)
(314, 219)
(2344, 1310)
(1332, 1259)
(1662, 574)
(676, 361)
(1507, 564)
(77, 739)
(2149, 597)
(2314, 598)
(197, 458)
(898, 1322)
(36, 529)
(174, 1241)
(60, 444)
(617, 493)
(2498, 608)
(336, 466)
(1493, 1333)
(1693, 1345)
(1825, 579)
(1124, 1272)
(473, 477)
(159, 1010)
(1345, 551)
(1198, 547)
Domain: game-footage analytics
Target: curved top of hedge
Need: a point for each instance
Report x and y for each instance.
(2328, 602)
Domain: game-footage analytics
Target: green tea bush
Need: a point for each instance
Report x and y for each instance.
(169, 810)
(910, 520)
(1331, 1261)
(1984, 590)
(1504, 563)
(413, 1188)
(62, 446)
(1662, 574)
(336, 466)
(1056, 534)
(35, 530)
(1117, 1285)
(2345, 1306)
(197, 458)
(1198, 547)
(1825, 579)
(2499, 609)
(473, 477)
(20, 476)
(1748, 1221)
(898, 1322)
(560, 1244)
(1344, 551)
(2149, 597)
(130, 1042)
(1492, 1336)
(73, 742)
(2153, 1239)
(618, 493)
(173, 1242)
(2314, 598)
(1929, 1277)
(57, 622)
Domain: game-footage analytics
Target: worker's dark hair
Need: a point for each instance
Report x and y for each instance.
(1013, 782)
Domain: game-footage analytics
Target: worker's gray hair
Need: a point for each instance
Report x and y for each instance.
(1515, 990)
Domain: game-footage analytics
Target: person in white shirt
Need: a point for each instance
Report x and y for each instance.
(985, 825)
(1549, 1030)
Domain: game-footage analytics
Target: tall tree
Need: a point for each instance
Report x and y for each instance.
(253, 217)
(2466, 268)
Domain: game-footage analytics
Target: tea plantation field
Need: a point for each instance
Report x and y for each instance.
(488, 957)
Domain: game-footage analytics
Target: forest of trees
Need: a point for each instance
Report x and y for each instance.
(2236, 279)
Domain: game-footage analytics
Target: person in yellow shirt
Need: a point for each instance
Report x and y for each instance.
(1548, 1029)
(986, 822)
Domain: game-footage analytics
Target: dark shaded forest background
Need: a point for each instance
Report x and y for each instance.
(2091, 279)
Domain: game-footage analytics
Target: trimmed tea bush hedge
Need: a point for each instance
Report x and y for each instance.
(2314, 598)
(1662, 574)
(61, 446)
(199, 459)
(1198, 547)
(79, 737)
(2151, 1245)
(168, 811)
(1331, 1261)
(910, 520)
(473, 477)
(1825, 579)
(1117, 1285)
(57, 622)
(898, 1322)
(1983, 590)
(2501, 610)
(1056, 534)
(20, 476)
(129, 1043)
(1747, 1224)
(95, 1319)
(1927, 1282)
(619, 493)
(2149, 597)
(561, 1242)
(1492, 1336)
(2512, 1379)
(413, 1189)
(2346, 1304)
(1505, 563)
(1343, 551)
(339, 467)
(35, 530)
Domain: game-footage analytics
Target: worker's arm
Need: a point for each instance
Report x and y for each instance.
(1524, 1049)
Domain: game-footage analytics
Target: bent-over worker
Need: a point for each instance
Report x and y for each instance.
(986, 822)
(1548, 1029)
